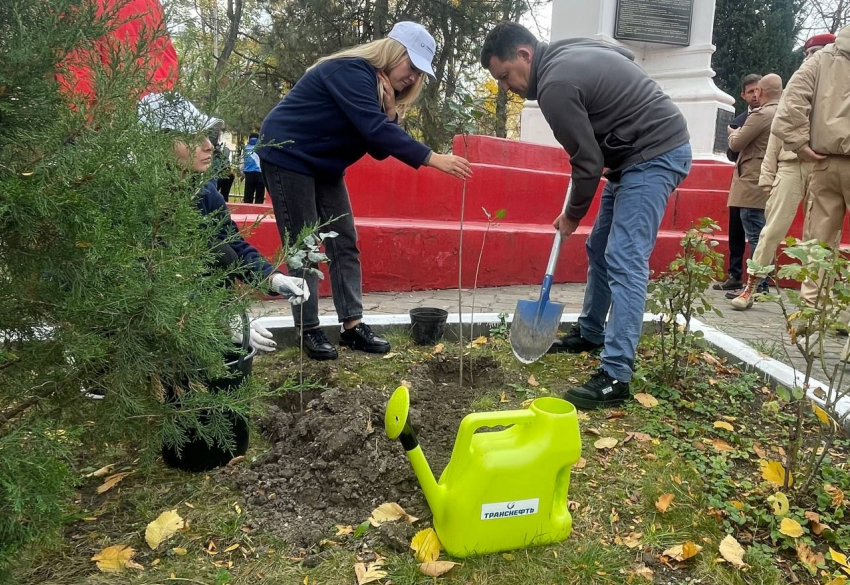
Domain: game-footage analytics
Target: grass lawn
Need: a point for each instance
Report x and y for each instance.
(619, 534)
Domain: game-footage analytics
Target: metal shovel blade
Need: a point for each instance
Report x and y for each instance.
(534, 328)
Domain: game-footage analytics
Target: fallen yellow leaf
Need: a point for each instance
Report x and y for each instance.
(711, 360)
(779, 501)
(580, 464)
(646, 400)
(836, 494)
(390, 355)
(643, 571)
(809, 557)
(390, 512)
(426, 545)
(682, 552)
(116, 558)
(773, 472)
(436, 568)
(722, 424)
(606, 443)
(343, 530)
(231, 548)
(179, 550)
(111, 481)
(721, 445)
(790, 527)
(838, 557)
(840, 580)
(439, 348)
(532, 381)
(368, 574)
(821, 414)
(732, 551)
(479, 341)
(631, 540)
(503, 398)
(163, 527)
(664, 502)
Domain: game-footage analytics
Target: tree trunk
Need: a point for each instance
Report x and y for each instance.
(234, 17)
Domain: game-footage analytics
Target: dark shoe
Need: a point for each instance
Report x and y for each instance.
(600, 391)
(728, 284)
(317, 345)
(734, 294)
(763, 288)
(573, 342)
(363, 338)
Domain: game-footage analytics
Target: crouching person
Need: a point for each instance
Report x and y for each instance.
(239, 258)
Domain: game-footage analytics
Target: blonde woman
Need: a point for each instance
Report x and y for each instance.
(346, 105)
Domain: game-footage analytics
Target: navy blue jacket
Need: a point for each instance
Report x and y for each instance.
(210, 202)
(330, 119)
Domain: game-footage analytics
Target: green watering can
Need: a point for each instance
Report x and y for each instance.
(501, 490)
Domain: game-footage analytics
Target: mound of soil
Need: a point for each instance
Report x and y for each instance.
(331, 463)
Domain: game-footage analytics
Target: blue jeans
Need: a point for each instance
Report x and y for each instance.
(618, 251)
(753, 221)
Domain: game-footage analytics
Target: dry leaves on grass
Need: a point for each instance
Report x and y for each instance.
(116, 558)
(606, 443)
(682, 552)
(809, 558)
(369, 573)
(732, 552)
(436, 568)
(664, 502)
(580, 464)
(390, 512)
(722, 446)
(478, 341)
(439, 348)
(426, 545)
(790, 527)
(646, 400)
(779, 502)
(111, 481)
(630, 540)
(722, 424)
(773, 472)
(532, 381)
(101, 472)
(163, 528)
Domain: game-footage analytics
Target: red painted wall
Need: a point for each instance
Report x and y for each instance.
(408, 221)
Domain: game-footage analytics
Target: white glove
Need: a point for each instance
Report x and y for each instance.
(260, 337)
(294, 289)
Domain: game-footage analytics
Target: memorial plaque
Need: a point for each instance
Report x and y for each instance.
(654, 21)
(721, 136)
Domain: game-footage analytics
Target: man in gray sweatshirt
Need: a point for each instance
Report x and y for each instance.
(606, 113)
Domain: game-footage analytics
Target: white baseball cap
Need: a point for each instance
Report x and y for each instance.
(171, 111)
(419, 43)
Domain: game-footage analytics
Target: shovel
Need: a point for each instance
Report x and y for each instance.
(535, 323)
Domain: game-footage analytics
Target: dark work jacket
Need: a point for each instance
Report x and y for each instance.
(211, 203)
(330, 119)
(737, 123)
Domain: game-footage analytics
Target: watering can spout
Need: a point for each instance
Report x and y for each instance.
(398, 427)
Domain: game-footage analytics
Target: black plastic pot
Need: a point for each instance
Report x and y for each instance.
(196, 454)
(427, 325)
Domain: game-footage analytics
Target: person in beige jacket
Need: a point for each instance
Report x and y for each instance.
(812, 122)
(750, 141)
(785, 179)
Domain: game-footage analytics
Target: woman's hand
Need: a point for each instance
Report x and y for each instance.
(389, 95)
(451, 165)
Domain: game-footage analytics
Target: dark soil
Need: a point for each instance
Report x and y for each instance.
(332, 462)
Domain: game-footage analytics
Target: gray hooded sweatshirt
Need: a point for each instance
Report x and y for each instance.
(604, 110)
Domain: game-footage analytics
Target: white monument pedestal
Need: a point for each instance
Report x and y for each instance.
(683, 72)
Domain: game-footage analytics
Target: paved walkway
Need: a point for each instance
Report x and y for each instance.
(762, 327)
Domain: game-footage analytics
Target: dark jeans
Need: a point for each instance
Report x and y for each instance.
(300, 200)
(737, 243)
(752, 220)
(255, 189)
(224, 184)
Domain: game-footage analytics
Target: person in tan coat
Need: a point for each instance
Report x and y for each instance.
(785, 179)
(750, 141)
(812, 122)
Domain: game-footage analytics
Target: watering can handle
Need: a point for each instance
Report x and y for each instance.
(476, 420)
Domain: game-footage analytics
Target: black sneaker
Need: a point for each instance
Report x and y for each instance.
(600, 391)
(728, 284)
(317, 346)
(363, 338)
(763, 288)
(573, 342)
